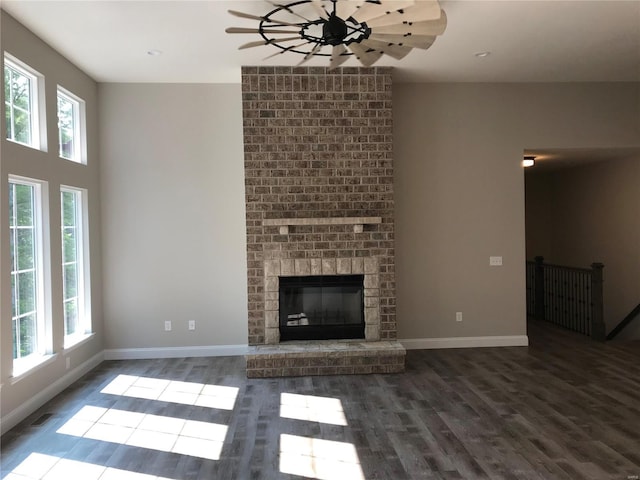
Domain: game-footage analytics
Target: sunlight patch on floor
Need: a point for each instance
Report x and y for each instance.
(185, 393)
(320, 459)
(38, 466)
(312, 408)
(155, 432)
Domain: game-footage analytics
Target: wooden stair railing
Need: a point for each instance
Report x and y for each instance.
(625, 321)
(566, 296)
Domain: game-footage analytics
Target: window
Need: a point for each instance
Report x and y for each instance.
(21, 88)
(73, 266)
(70, 126)
(27, 275)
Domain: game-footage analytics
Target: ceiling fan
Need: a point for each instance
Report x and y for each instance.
(366, 29)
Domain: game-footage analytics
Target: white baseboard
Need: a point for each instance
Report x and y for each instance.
(175, 352)
(18, 414)
(465, 342)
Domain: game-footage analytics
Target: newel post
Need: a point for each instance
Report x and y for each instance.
(539, 287)
(598, 329)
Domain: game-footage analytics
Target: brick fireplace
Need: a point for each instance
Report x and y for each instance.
(319, 201)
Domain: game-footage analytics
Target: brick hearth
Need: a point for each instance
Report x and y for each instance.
(319, 195)
(325, 357)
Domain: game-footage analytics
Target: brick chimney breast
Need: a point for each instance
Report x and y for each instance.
(318, 160)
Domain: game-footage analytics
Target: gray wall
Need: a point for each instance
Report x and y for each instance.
(173, 215)
(460, 192)
(459, 199)
(19, 160)
(592, 214)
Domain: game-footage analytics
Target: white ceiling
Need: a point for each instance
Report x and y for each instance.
(529, 41)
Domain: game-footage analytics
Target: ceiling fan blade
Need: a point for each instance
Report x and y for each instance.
(337, 57)
(256, 30)
(259, 43)
(429, 27)
(394, 51)
(414, 41)
(235, 13)
(366, 58)
(260, 19)
(421, 11)
(310, 54)
(317, 6)
(285, 50)
(346, 8)
(373, 10)
(287, 9)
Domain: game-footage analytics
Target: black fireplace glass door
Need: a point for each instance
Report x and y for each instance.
(321, 307)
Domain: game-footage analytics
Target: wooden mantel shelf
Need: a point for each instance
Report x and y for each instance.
(285, 223)
(321, 221)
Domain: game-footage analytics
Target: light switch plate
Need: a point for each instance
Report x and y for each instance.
(495, 261)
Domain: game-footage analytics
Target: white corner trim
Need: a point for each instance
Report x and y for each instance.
(175, 352)
(18, 414)
(465, 342)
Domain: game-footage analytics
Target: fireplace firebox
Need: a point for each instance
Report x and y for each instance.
(323, 307)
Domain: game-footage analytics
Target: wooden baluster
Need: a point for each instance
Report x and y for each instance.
(539, 288)
(598, 329)
(582, 294)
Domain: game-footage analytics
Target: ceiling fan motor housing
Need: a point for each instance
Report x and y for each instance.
(334, 30)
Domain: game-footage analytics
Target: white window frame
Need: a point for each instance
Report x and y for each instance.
(79, 126)
(36, 100)
(44, 331)
(82, 260)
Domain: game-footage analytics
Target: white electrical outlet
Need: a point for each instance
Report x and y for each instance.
(458, 316)
(167, 326)
(495, 261)
(192, 324)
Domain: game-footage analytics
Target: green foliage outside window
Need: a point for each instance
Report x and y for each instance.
(18, 108)
(70, 219)
(66, 127)
(23, 268)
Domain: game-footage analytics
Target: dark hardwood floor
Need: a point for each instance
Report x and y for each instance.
(563, 408)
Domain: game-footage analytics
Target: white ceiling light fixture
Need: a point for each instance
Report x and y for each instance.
(529, 161)
(366, 29)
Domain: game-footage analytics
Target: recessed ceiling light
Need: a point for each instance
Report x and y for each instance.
(154, 53)
(482, 54)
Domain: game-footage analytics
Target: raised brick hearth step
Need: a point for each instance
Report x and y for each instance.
(342, 357)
